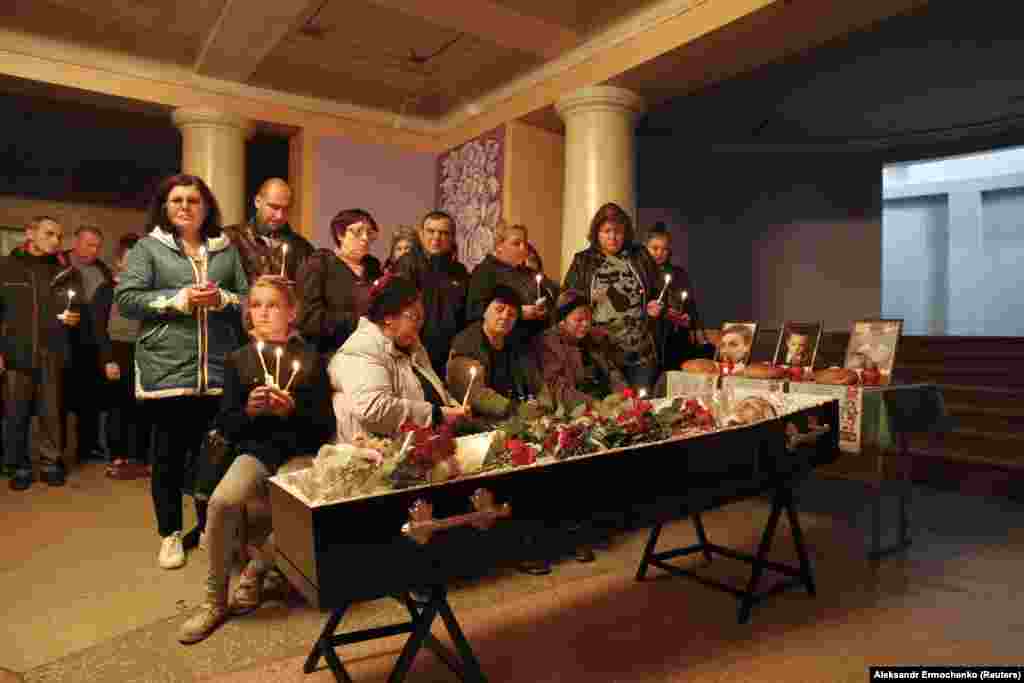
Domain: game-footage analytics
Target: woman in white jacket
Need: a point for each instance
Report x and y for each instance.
(382, 376)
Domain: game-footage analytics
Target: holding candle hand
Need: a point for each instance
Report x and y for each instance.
(70, 318)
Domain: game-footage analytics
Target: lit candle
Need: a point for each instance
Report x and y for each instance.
(71, 295)
(284, 258)
(540, 293)
(472, 378)
(640, 395)
(683, 295)
(259, 352)
(295, 371)
(202, 266)
(668, 279)
(278, 352)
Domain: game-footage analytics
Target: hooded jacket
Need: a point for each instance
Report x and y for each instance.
(180, 352)
(33, 292)
(376, 389)
(443, 283)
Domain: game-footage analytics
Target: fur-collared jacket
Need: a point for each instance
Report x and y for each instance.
(180, 351)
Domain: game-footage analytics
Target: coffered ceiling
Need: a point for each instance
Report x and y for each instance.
(434, 60)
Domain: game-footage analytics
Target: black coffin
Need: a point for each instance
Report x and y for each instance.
(355, 550)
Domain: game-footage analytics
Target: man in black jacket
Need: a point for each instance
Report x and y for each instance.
(433, 267)
(37, 309)
(92, 363)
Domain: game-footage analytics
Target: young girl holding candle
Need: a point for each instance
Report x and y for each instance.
(276, 405)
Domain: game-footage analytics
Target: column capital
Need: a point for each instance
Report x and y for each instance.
(207, 116)
(600, 98)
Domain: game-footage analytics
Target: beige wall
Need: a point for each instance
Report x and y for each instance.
(534, 176)
(15, 212)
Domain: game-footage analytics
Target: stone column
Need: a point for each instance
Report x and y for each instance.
(600, 160)
(213, 148)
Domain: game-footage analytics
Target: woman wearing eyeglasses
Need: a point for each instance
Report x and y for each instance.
(382, 376)
(334, 286)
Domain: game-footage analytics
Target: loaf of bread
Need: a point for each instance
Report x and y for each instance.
(764, 371)
(701, 366)
(836, 376)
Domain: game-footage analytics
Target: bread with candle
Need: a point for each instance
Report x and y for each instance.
(836, 375)
(764, 371)
(702, 366)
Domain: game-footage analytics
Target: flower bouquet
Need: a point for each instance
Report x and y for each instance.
(427, 455)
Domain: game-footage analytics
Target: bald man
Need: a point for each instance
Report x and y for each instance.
(263, 239)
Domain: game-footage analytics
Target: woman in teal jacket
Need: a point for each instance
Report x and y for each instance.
(184, 281)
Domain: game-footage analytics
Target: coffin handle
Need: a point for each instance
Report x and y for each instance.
(422, 524)
(794, 439)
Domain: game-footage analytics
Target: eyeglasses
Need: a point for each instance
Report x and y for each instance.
(180, 201)
(362, 233)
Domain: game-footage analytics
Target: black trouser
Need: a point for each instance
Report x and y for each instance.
(39, 391)
(86, 397)
(128, 428)
(179, 425)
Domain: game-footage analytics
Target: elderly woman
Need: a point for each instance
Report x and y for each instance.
(184, 281)
(621, 282)
(506, 367)
(506, 267)
(578, 368)
(382, 377)
(434, 268)
(335, 285)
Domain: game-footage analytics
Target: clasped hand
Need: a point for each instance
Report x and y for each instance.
(203, 297)
(267, 400)
(70, 318)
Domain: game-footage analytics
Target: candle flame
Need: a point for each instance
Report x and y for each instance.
(472, 372)
(278, 352)
(684, 295)
(71, 294)
(668, 278)
(539, 277)
(259, 346)
(642, 393)
(284, 248)
(295, 366)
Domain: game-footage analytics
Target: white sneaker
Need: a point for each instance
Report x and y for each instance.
(172, 553)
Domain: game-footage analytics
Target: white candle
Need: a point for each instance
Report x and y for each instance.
(259, 352)
(71, 295)
(668, 279)
(295, 371)
(284, 258)
(472, 378)
(202, 266)
(540, 293)
(278, 352)
(406, 444)
(683, 295)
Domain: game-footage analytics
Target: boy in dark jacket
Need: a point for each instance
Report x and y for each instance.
(37, 310)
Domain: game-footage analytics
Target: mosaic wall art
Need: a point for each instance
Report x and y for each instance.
(470, 184)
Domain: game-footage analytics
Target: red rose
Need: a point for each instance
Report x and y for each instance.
(522, 454)
(628, 393)
(796, 373)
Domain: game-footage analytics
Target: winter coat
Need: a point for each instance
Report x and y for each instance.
(33, 292)
(491, 273)
(443, 283)
(563, 368)
(329, 307)
(677, 344)
(258, 258)
(270, 439)
(585, 264)
(180, 352)
(376, 388)
(472, 348)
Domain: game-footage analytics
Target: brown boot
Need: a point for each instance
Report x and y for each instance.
(204, 622)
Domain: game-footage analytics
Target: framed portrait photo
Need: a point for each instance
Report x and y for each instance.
(735, 342)
(798, 344)
(872, 346)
